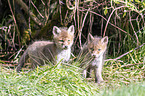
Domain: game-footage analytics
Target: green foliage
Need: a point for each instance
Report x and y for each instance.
(57, 80)
(129, 17)
(105, 11)
(135, 89)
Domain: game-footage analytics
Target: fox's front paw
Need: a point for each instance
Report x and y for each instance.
(99, 80)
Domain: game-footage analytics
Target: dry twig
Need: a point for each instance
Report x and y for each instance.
(126, 53)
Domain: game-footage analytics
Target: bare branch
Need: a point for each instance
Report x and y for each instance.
(110, 18)
(112, 24)
(133, 29)
(15, 24)
(128, 65)
(126, 53)
(26, 9)
(37, 9)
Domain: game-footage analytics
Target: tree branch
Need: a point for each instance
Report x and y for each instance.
(126, 53)
(128, 65)
(15, 24)
(26, 9)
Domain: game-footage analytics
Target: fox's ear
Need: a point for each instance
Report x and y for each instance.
(56, 30)
(71, 29)
(104, 40)
(90, 37)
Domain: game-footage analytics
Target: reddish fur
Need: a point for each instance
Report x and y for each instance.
(94, 51)
(41, 51)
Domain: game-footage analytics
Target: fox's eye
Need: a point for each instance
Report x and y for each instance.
(68, 40)
(91, 49)
(99, 49)
(61, 40)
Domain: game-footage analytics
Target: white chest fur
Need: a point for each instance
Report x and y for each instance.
(63, 55)
(97, 61)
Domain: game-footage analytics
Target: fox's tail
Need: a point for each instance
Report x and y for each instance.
(22, 60)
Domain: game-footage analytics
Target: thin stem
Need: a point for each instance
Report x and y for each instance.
(110, 18)
(15, 23)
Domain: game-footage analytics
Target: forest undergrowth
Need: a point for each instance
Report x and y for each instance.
(123, 21)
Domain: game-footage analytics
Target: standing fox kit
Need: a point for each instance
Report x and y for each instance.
(95, 49)
(41, 51)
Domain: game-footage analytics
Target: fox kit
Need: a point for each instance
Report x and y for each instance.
(41, 51)
(94, 48)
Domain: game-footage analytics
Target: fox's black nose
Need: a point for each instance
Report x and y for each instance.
(66, 47)
(93, 55)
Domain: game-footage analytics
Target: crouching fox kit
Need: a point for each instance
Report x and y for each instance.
(41, 51)
(94, 48)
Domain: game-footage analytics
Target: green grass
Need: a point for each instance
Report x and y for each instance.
(57, 80)
(135, 89)
(66, 80)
